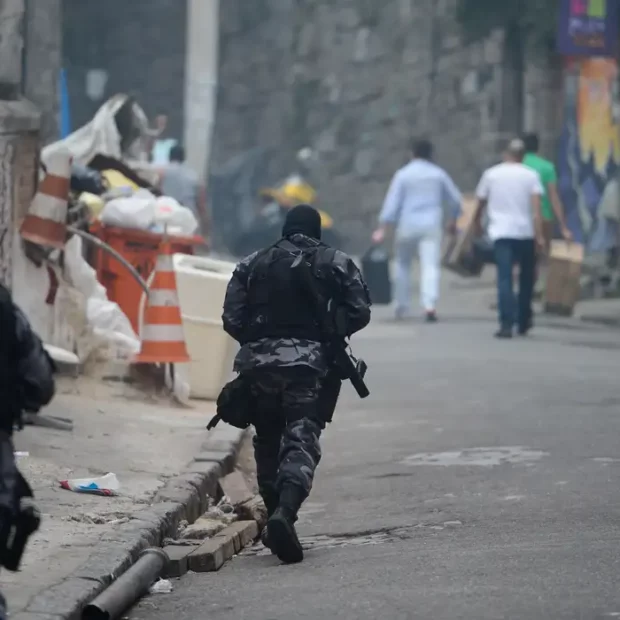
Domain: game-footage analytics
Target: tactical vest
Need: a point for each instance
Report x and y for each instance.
(277, 305)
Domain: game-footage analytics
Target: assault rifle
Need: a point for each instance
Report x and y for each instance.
(349, 367)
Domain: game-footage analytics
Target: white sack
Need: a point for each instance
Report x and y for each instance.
(137, 211)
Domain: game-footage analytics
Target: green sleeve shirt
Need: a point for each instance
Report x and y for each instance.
(546, 172)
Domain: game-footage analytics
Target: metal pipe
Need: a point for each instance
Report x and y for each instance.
(128, 588)
(106, 248)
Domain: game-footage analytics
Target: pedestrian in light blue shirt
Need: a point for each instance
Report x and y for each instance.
(420, 196)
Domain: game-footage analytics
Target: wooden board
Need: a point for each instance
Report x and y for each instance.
(458, 255)
(563, 287)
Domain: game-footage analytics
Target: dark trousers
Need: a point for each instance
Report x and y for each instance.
(509, 252)
(8, 483)
(292, 408)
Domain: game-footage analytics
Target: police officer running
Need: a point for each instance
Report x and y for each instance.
(26, 384)
(291, 381)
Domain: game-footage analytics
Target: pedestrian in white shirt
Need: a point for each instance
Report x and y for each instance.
(511, 194)
(414, 206)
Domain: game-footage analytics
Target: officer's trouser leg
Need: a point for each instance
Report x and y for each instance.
(267, 454)
(300, 451)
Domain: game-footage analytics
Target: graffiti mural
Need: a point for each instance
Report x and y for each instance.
(589, 158)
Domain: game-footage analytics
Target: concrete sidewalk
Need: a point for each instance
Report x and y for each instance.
(115, 430)
(600, 311)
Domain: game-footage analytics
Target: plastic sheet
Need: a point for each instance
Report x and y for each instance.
(178, 219)
(104, 318)
(137, 211)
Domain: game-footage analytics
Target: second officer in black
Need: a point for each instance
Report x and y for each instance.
(287, 365)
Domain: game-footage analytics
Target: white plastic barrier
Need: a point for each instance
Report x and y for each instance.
(202, 284)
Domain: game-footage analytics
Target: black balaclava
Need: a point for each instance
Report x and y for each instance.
(302, 219)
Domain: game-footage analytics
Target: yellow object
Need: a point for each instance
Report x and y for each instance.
(292, 192)
(115, 179)
(326, 220)
(94, 203)
(298, 191)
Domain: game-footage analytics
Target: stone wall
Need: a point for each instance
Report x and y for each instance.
(130, 46)
(355, 79)
(19, 124)
(43, 61)
(11, 48)
(544, 101)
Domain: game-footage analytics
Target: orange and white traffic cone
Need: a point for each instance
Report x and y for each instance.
(46, 222)
(163, 339)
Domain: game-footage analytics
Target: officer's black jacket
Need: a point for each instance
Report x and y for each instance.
(343, 277)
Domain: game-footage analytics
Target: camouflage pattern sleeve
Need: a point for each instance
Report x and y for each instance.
(234, 317)
(355, 295)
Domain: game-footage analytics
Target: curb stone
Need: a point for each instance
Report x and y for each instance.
(182, 498)
(213, 553)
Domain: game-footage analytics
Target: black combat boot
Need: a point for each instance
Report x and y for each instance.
(264, 536)
(271, 499)
(283, 539)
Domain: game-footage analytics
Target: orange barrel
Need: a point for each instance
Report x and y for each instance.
(140, 249)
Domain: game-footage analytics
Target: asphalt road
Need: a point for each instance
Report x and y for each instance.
(479, 481)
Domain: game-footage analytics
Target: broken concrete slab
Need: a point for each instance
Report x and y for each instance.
(236, 489)
(204, 527)
(253, 510)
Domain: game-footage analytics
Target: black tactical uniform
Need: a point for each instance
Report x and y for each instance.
(293, 385)
(26, 384)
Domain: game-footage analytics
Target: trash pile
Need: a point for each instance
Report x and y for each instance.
(111, 197)
(112, 192)
(109, 180)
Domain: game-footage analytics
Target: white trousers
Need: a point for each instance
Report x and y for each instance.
(427, 244)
